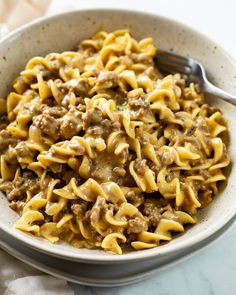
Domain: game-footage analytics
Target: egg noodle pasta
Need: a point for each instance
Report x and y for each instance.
(99, 149)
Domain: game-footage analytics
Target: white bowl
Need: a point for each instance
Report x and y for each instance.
(64, 32)
(102, 275)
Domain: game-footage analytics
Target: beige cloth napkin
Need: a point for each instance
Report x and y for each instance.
(14, 13)
(17, 278)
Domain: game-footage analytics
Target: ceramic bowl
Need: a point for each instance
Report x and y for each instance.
(104, 275)
(63, 32)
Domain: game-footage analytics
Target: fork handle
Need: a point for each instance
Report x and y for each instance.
(212, 89)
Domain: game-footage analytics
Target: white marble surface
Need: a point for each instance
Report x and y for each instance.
(213, 270)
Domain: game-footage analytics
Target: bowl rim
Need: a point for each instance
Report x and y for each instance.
(181, 257)
(135, 255)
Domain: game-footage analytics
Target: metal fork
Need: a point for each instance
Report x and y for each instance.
(192, 71)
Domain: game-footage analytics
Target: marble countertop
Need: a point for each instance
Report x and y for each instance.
(213, 270)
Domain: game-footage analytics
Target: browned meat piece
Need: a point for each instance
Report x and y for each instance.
(56, 112)
(152, 212)
(98, 210)
(6, 139)
(81, 108)
(135, 198)
(61, 86)
(210, 109)
(205, 173)
(120, 96)
(3, 122)
(17, 189)
(154, 168)
(205, 196)
(33, 107)
(140, 166)
(17, 206)
(66, 174)
(12, 191)
(137, 225)
(95, 131)
(119, 171)
(48, 125)
(82, 87)
(70, 128)
(140, 58)
(71, 124)
(7, 187)
(138, 103)
(116, 125)
(54, 63)
(33, 186)
(22, 150)
(10, 156)
(107, 80)
(28, 182)
(108, 126)
(104, 129)
(101, 174)
(56, 168)
(79, 210)
(95, 123)
(92, 117)
(189, 94)
(179, 80)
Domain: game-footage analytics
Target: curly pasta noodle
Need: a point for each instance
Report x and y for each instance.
(100, 150)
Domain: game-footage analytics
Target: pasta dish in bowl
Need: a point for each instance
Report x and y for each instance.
(101, 150)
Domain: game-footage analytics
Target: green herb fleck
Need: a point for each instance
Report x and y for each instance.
(121, 107)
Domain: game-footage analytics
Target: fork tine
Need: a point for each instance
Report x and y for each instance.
(178, 59)
(171, 67)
